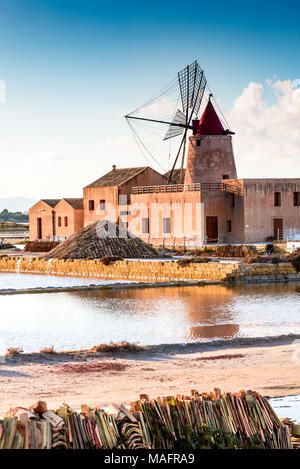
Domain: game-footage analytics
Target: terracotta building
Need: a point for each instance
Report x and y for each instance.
(210, 204)
(69, 217)
(42, 219)
(55, 219)
(110, 195)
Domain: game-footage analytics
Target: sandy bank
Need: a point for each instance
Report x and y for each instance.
(268, 365)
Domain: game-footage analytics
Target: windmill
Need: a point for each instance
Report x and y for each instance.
(191, 85)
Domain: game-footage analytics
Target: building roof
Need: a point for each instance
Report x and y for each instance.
(175, 176)
(210, 123)
(51, 202)
(117, 176)
(75, 203)
(102, 238)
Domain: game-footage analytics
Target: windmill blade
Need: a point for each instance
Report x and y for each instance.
(192, 83)
(174, 131)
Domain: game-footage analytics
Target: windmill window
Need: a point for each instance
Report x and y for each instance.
(66, 221)
(228, 226)
(232, 200)
(102, 204)
(198, 143)
(277, 199)
(296, 199)
(91, 205)
(225, 176)
(145, 225)
(59, 221)
(166, 225)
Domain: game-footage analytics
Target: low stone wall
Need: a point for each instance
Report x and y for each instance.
(263, 272)
(151, 270)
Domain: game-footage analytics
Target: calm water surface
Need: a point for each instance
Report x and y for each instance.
(287, 407)
(150, 316)
(22, 281)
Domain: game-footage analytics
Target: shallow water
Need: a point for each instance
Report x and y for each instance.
(147, 316)
(23, 281)
(288, 407)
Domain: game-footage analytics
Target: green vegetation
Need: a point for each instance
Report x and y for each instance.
(6, 246)
(272, 249)
(295, 260)
(14, 217)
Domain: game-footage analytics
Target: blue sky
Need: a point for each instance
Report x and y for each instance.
(72, 69)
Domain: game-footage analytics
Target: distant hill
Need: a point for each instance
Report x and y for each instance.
(16, 204)
(14, 217)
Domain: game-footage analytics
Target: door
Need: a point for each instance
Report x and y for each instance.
(278, 229)
(212, 229)
(39, 228)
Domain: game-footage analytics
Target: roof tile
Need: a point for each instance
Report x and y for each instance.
(116, 177)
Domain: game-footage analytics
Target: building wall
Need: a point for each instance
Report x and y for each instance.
(227, 207)
(74, 219)
(195, 206)
(148, 177)
(112, 194)
(109, 194)
(260, 210)
(184, 209)
(211, 160)
(45, 213)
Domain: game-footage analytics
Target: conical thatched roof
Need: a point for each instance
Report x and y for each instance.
(100, 239)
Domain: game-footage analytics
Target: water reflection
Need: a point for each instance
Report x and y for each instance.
(226, 331)
(148, 316)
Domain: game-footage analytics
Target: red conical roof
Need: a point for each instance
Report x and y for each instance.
(210, 123)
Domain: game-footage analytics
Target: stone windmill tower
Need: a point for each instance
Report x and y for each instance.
(210, 154)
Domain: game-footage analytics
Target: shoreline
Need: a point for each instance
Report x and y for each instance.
(268, 365)
(107, 286)
(137, 285)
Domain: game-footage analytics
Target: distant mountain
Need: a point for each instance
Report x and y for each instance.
(16, 204)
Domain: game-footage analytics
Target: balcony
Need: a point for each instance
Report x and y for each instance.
(204, 187)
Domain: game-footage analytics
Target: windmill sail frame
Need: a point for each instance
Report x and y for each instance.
(192, 83)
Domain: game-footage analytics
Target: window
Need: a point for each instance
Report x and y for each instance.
(198, 143)
(228, 226)
(66, 221)
(166, 225)
(296, 199)
(125, 212)
(59, 221)
(232, 200)
(277, 199)
(91, 205)
(123, 224)
(39, 228)
(145, 225)
(102, 204)
(123, 199)
(225, 176)
(53, 223)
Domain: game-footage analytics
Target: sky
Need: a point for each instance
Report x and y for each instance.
(71, 69)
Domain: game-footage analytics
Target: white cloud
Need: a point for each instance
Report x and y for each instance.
(267, 140)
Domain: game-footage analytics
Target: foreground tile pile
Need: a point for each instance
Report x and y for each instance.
(214, 420)
(101, 239)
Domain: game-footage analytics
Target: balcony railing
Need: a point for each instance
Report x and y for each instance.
(203, 187)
